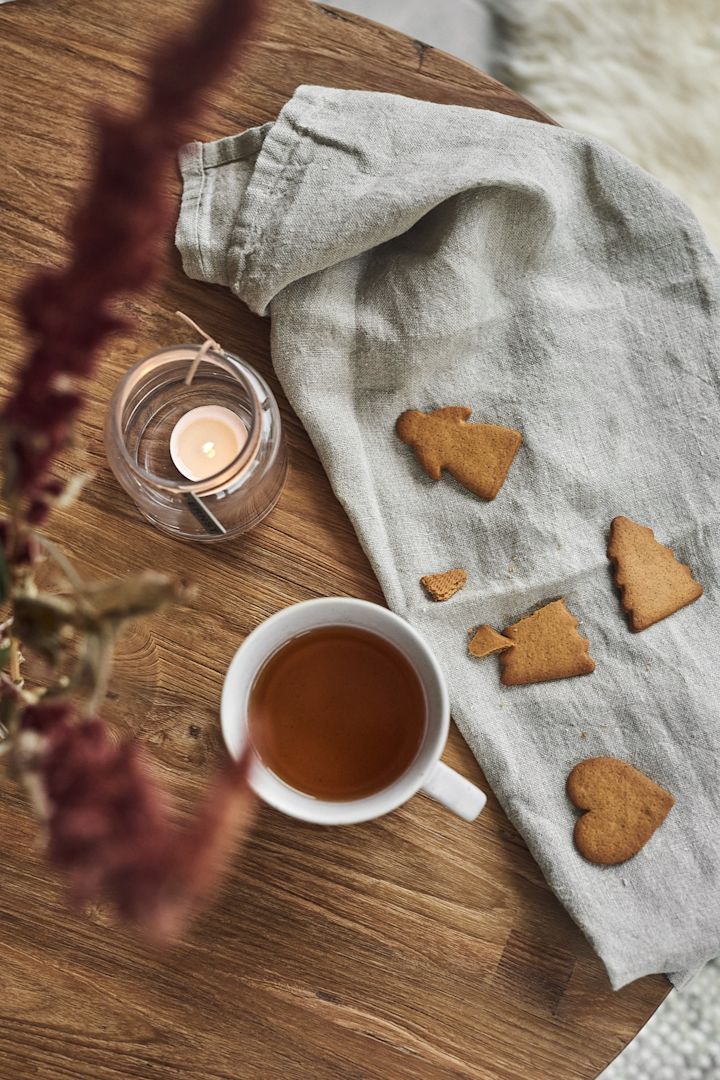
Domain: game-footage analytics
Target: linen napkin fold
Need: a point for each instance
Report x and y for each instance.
(414, 255)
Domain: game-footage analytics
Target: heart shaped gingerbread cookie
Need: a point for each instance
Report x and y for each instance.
(623, 809)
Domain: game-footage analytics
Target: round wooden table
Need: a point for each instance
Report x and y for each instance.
(416, 947)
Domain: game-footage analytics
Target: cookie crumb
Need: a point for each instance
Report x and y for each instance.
(486, 641)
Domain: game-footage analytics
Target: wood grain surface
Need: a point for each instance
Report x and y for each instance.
(416, 947)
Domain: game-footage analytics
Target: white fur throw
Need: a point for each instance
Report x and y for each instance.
(643, 75)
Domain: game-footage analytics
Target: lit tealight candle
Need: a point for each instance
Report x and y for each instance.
(206, 440)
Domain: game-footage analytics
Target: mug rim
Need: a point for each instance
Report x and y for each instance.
(238, 684)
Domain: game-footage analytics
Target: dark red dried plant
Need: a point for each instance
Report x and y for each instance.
(109, 828)
(115, 238)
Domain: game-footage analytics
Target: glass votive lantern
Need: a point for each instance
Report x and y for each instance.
(203, 460)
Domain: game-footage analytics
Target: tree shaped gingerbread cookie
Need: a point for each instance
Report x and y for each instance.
(477, 455)
(653, 583)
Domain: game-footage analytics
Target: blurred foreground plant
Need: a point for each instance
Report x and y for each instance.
(108, 827)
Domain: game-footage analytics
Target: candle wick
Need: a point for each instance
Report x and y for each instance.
(207, 344)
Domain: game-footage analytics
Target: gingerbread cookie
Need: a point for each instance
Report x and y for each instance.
(477, 455)
(652, 582)
(623, 809)
(547, 646)
(485, 641)
(442, 586)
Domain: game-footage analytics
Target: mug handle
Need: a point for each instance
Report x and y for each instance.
(453, 791)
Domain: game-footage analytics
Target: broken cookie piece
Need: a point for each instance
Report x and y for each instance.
(548, 646)
(442, 586)
(486, 641)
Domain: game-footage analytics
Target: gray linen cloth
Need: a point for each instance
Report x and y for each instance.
(414, 255)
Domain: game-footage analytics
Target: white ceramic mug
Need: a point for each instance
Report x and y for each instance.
(426, 772)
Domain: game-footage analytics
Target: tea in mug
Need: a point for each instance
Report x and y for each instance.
(337, 713)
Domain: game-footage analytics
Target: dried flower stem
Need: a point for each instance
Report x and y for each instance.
(116, 236)
(60, 558)
(107, 824)
(14, 666)
(103, 644)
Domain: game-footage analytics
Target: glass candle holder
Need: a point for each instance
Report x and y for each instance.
(147, 411)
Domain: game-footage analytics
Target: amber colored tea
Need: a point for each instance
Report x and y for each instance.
(337, 713)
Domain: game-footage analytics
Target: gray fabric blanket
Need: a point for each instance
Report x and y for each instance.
(415, 255)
